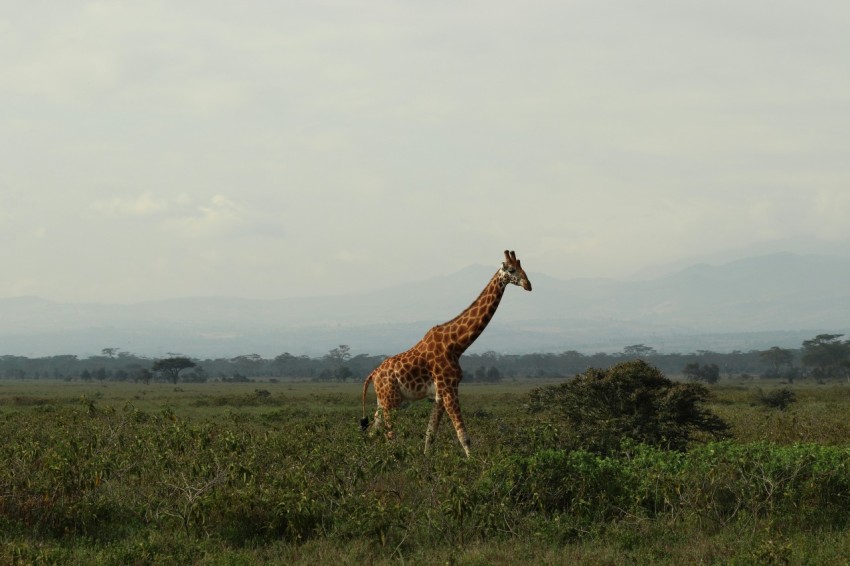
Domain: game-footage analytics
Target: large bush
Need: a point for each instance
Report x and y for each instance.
(630, 401)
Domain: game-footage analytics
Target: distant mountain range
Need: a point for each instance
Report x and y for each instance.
(778, 299)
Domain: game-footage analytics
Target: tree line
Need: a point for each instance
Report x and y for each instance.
(826, 356)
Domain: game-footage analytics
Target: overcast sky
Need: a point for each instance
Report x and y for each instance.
(277, 149)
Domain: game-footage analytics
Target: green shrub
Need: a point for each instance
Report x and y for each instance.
(717, 483)
(778, 398)
(631, 401)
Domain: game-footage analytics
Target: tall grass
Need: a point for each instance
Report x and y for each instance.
(229, 475)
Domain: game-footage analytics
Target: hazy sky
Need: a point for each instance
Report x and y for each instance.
(275, 149)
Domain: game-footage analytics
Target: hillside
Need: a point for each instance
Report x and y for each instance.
(777, 299)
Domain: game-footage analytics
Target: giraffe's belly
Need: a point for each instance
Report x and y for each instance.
(416, 391)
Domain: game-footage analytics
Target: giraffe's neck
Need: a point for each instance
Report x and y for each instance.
(468, 325)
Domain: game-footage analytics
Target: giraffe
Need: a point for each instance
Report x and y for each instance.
(432, 366)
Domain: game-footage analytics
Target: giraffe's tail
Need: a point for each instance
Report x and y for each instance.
(364, 422)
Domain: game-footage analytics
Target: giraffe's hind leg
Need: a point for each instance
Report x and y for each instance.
(389, 402)
(386, 421)
(377, 422)
(382, 421)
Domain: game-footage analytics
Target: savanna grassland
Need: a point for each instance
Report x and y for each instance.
(278, 472)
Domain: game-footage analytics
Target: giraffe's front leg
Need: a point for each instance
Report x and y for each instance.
(434, 422)
(452, 406)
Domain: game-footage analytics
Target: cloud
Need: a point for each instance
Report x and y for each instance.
(217, 217)
(223, 217)
(145, 204)
(220, 215)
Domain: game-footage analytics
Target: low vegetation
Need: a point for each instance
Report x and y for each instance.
(278, 472)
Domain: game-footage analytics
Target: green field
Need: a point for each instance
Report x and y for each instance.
(278, 472)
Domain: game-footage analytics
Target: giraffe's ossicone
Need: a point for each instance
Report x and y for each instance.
(432, 366)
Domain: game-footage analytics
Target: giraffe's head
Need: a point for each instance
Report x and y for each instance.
(512, 271)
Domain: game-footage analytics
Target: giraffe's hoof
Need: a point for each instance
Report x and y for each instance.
(364, 424)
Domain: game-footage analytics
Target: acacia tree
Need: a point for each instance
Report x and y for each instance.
(109, 352)
(639, 351)
(171, 367)
(827, 355)
(249, 365)
(778, 357)
(709, 373)
(338, 358)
